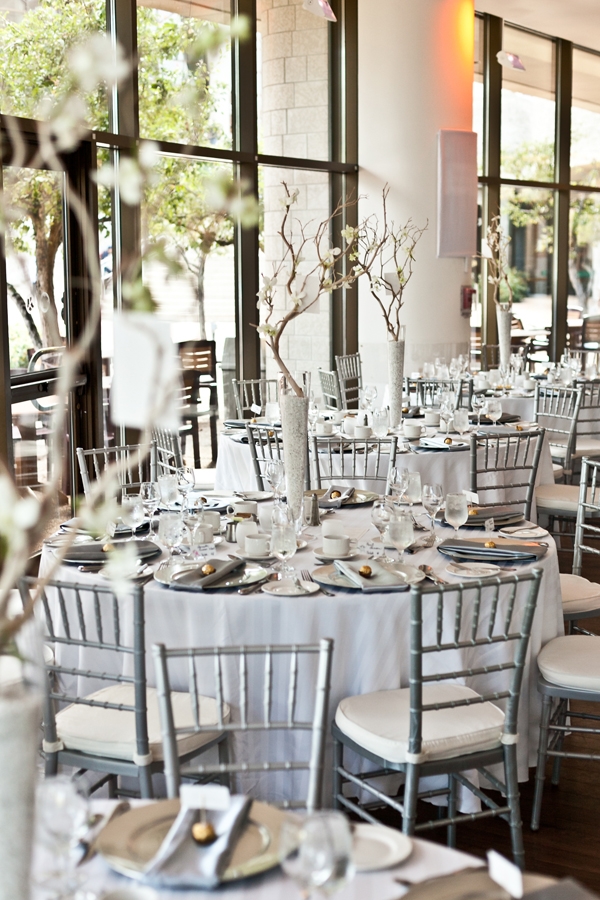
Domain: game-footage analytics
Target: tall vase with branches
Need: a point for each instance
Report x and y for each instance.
(385, 254)
(495, 254)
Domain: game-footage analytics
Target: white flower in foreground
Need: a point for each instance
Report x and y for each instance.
(128, 177)
(17, 514)
(100, 519)
(297, 296)
(98, 60)
(349, 233)
(67, 120)
(265, 295)
(288, 201)
(328, 258)
(267, 330)
(121, 567)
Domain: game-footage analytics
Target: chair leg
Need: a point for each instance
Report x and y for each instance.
(514, 804)
(563, 712)
(51, 766)
(223, 750)
(411, 791)
(540, 772)
(338, 760)
(196, 442)
(112, 786)
(451, 830)
(146, 789)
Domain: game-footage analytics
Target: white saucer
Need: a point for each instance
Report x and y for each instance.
(262, 558)
(376, 847)
(473, 570)
(320, 554)
(287, 588)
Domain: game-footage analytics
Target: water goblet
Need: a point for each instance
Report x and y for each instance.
(401, 532)
(413, 488)
(315, 851)
(169, 490)
(313, 413)
(494, 409)
(461, 421)
(398, 481)
(381, 421)
(150, 497)
(186, 481)
(132, 512)
(275, 475)
(62, 816)
(382, 513)
(171, 531)
(457, 511)
(433, 497)
(479, 403)
(428, 370)
(283, 544)
(368, 394)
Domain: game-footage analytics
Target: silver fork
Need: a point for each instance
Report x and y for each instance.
(306, 576)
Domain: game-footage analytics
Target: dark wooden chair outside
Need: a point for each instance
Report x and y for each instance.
(199, 371)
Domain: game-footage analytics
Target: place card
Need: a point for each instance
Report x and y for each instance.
(205, 796)
(505, 873)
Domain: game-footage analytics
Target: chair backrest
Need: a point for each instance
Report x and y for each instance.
(557, 410)
(497, 614)
(349, 371)
(250, 393)
(78, 618)
(337, 460)
(168, 452)
(588, 420)
(590, 333)
(330, 389)
(132, 469)
(588, 508)
(199, 357)
(490, 357)
(505, 467)
(427, 391)
(266, 444)
(262, 684)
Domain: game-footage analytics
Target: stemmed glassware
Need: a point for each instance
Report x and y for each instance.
(457, 511)
(461, 421)
(150, 497)
(401, 532)
(283, 543)
(368, 395)
(446, 410)
(62, 816)
(494, 409)
(186, 481)
(381, 421)
(169, 490)
(275, 475)
(132, 512)
(313, 413)
(316, 852)
(382, 513)
(479, 403)
(398, 482)
(171, 529)
(432, 497)
(412, 491)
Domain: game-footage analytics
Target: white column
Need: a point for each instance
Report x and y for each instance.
(415, 78)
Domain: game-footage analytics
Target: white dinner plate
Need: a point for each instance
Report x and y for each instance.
(377, 847)
(473, 570)
(534, 531)
(320, 554)
(287, 588)
(259, 496)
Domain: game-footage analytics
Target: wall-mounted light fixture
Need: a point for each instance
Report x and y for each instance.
(511, 60)
(320, 8)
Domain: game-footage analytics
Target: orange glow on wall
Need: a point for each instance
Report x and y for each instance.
(455, 49)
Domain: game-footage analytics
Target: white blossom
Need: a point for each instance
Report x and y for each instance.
(267, 330)
(121, 567)
(288, 201)
(97, 60)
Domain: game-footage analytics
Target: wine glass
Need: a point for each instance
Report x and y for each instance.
(479, 403)
(368, 394)
(401, 532)
(398, 482)
(315, 851)
(380, 422)
(413, 488)
(313, 413)
(382, 512)
(432, 497)
(275, 475)
(461, 421)
(170, 531)
(169, 490)
(132, 512)
(283, 544)
(446, 410)
(494, 409)
(62, 817)
(186, 481)
(150, 497)
(457, 511)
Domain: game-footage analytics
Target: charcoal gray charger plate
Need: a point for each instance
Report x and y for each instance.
(471, 883)
(358, 498)
(94, 553)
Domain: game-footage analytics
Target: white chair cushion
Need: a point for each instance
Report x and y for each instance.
(572, 661)
(558, 471)
(579, 594)
(379, 722)
(562, 497)
(111, 732)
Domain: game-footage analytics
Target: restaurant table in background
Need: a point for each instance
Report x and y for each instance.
(370, 633)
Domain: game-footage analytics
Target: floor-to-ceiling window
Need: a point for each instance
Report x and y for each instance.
(538, 125)
(221, 106)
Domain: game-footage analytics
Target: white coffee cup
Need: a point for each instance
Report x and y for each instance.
(331, 528)
(529, 384)
(337, 415)
(362, 431)
(204, 533)
(324, 428)
(431, 417)
(212, 517)
(256, 545)
(349, 423)
(336, 545)
(243, 506)
(412, 430)
(243, 529)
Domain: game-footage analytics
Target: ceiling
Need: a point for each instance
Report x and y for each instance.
(575, 20)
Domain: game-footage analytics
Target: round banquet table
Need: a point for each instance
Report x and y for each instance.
(450, 468)
(370, 634)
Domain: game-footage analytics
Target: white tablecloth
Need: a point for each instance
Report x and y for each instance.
(427, 860)
(370, 633)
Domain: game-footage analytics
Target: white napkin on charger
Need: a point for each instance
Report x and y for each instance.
(182, 863)
(327, 503)
(439, 443)
(381, 579)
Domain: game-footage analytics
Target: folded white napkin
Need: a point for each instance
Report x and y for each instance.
(181, 862)
(195, 578)
(327, 503)
(439, 443)
(381, 578)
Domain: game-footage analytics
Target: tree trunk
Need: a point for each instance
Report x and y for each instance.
(200, 294)
(34, 334)
(46, 248)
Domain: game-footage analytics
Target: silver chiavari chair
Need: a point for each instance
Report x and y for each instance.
(168, 451)
(451, 718)
(133, 469)
(349, 371)
(264, 682)
(253, 393)
(426, 391)
(99, 714)
(352, 460)
(557, 410)
(506, 466)
(580, 596)
(265, 445)
(330, 389)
